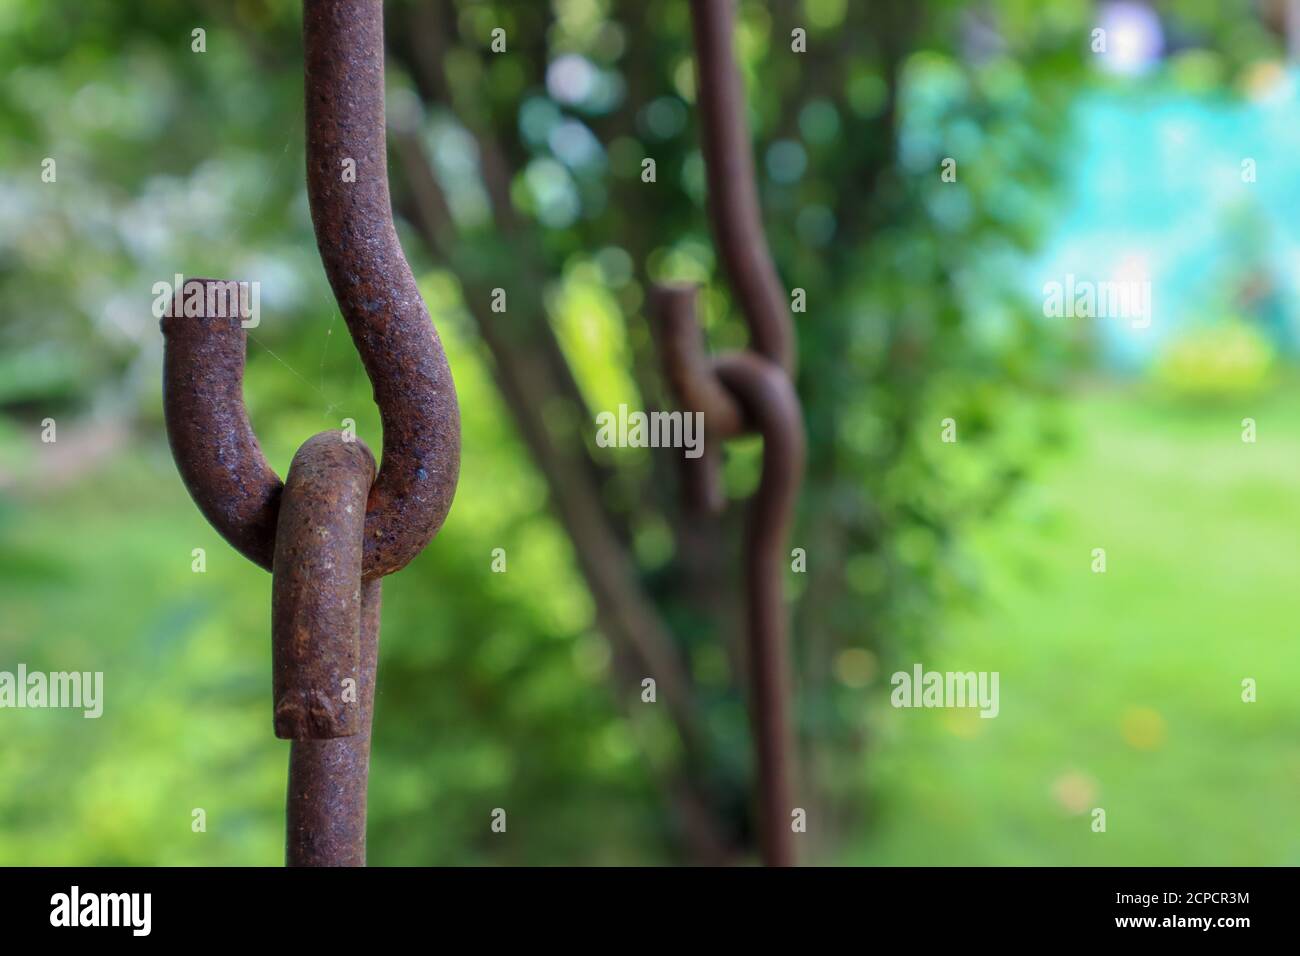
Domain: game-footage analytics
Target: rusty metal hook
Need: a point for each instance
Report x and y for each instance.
(323, 628)
(743, 392)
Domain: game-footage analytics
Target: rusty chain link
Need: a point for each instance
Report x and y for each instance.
(328, 553)
(739, 393)
(336, 527)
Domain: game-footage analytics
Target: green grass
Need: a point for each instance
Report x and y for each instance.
(1120, 690)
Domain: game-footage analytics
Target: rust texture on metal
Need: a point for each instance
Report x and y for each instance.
(211, 438)
(344, 44)
(316, 589)
(338, 527)
(744, 392)
(326, 803)
(219, 457)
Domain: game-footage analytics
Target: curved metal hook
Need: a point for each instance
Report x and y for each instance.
(212, 440)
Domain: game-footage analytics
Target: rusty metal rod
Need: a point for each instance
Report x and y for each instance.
(326, 801)
(212, 440)
(325, 630)
(344, 48)
(316, 589)
(733, 194)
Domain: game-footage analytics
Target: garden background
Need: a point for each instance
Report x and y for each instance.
(522, 170)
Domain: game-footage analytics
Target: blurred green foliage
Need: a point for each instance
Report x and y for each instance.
(1129, 683)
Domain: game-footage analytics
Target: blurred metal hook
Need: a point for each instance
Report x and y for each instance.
(743, 392)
